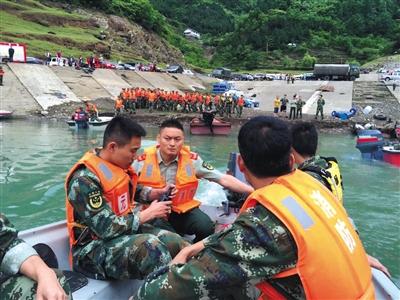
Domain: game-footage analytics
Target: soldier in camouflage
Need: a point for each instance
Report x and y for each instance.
(111, 246)
(304, 149)
(23, 274)
(228, 264)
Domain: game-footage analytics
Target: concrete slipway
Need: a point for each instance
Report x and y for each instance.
(14, 96)
(161, 80)
(83, 85)
(134, 79)
(45, 87)
(111, 82)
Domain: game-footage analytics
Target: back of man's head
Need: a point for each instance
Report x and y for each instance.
(121, 130)
(264, 145)
(171, 123)
(304, 138)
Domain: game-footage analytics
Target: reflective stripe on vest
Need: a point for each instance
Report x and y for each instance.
(331, 262)
(185, 180)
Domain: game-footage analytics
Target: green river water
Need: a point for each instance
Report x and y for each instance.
(35, 157)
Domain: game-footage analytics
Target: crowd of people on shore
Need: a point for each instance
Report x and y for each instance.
(126, 215)
(131, 99)
(296, 104)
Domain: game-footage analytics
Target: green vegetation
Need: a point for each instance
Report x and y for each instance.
(242, 34)
(261, 33)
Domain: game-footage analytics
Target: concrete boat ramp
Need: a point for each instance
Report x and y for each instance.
(44, 86)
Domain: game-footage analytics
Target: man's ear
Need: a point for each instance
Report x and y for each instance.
(241, 164)
(292, 160)
(111, 146)
(158, 139)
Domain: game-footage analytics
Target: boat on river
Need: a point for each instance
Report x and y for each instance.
(5, 114)
(100, 122)
(55, 235)
(219, 127)
(391, 154)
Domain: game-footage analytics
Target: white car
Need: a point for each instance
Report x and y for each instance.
(388, 77)
(187, 72)
(191, 33)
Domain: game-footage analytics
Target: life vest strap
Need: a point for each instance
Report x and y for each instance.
(268, 292)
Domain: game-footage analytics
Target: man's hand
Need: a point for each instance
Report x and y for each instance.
(155, 210)
(49, 288)
(374, 263)
(157, 193)
(186, 253)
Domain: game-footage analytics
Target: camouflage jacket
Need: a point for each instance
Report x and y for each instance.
(13, 251)
(316, 161)
(253, 249)
(99, 221)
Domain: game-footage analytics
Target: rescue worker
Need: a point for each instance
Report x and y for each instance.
(91, 110)
(23, 274)
(325, 169)
(299, 107)
(291, 239)
(292, 105)
(277, 104)
(320, 107)
(1, 75)
(240, 104)
(171, 164)
(119, 106)
(109, 234)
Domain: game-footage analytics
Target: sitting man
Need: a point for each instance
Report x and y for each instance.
(23, 274)
(172, 165)
(109, 237)
(291, 239)
(324, 169)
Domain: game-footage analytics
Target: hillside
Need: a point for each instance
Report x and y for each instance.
(45, 26)
(242, 34)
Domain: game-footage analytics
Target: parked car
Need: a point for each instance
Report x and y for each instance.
(34, 60)
(175, 69)
(248, 77)
(191, 33)
(250, 103)
(108, 65)
(119, 66)
(308, 76)
(388, 76)
(129, 67)
(259, 76)
(187, 72)
(269, 77)
(58, 62)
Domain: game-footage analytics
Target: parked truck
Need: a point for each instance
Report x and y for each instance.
(222, 73)
(336, 71)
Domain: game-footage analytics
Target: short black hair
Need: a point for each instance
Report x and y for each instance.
(174, 123)
(304, 138)
(264, 144)
(121, 130)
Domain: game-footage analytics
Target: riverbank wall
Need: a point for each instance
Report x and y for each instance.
(29, 90)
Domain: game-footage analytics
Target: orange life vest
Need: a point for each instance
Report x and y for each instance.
(331, 262)
(114, 182)
(186, 180)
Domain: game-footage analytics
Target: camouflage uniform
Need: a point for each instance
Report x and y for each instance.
(13, 252)
(320, 108)
(316, 161)
(194, 221)
(111, 246)
(254, 248)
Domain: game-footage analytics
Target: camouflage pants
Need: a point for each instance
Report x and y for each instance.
(24, 288)
(129, 256)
